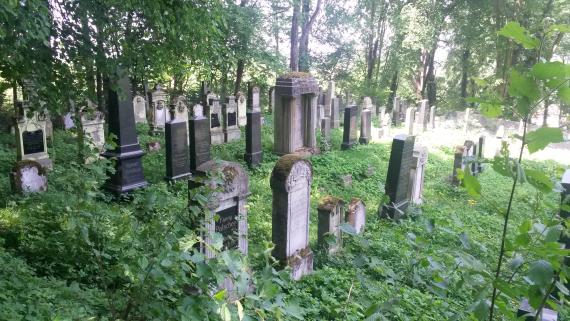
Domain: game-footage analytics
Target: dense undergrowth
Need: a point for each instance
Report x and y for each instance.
(75, 253)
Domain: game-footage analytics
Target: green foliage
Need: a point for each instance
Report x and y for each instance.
(515, 32)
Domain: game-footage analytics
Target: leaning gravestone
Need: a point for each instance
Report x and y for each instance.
(216, 128)
(27, 177)
(356, 215)
(199, 138)
(241, 109)
(253, 151)
(330, 211)
(139, 109)
(230, 112)
(349, 135)
(127, 154)
(365, 125)
(177, 152)
(291, 185)
(417, 173)
(398, 177)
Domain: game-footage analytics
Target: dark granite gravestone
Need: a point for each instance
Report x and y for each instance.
(215, 121)
(232, 119)
(253, 151)
(398, 177)
(128, 153)
(480, 153)
(33, 142)
(349, 135)
(199, 138)
(177, 152)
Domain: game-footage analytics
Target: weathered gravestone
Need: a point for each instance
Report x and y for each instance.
(28, 176)
(386, 125)
(398, 177)
(466, 120)
(409, 124)
(139, 109)
(381, 114)
(463, 157)
(432, 117)
(216, 122)
(295, 116)
(160, 114)
(46, 116)
(241, 109)
(396, 111)
(31, 137)
(335, 113)
(365, 125)
(329, 96)
(177, 152)
(422, 120)
(330, 212)
(230, 112)
(199, 138)
(68, 122)
(417, 173)
(253, 151)
(326, 131)
(127, 153)
(93, 125)
(356, 215)
(291, 185)
(350, 133)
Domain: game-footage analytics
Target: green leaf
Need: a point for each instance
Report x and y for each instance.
(517, 261)
(565, 28)
(471, 184)
(143, 262)
(522, 85)
(481, 309)
(491, 110)
(551, 70)
(553, 233)
(518, 34)
(564, 94)
(220, 295)
(540, 273)
(539, 180)
(540, 138)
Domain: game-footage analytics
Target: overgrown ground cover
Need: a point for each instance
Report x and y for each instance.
(73, 253)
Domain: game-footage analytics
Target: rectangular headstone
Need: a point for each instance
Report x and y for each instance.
(365, 126)
(349, 135)
(177, 152)
(330, 211)
(231, 129)
(410, 114)
(253, 149)
(422, 119)
(432, 117)
(396, 111)
(199, 138)
(356, 215)
(398, 177)
(216, 122)
(417, 174)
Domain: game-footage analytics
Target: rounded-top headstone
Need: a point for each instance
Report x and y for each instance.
(288, 171)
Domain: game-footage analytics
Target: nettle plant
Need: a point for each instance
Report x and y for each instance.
(531, 260)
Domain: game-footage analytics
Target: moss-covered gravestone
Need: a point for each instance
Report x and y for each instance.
(27, 177)
(330, 211)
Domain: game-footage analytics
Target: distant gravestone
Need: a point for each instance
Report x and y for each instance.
(46, 116)
(242, 109)
(216, 122)
(466, 120)
(356, 215)
(271, 100)
(291, 185)
(253, 149)
(381, 115)
(139, 109)
(409, 124)
(177, 152)
(463, 157)
(93, 125)
(432, 117)
(329, 96)
(199, 138)
(230, 112)
(417, 173)
(335, 113)
(480, 153)
(68, 122)
(422, 120)
(398, 177)
(326, 130)
(396, 111)
(386, 125)
(330, 211)
(349, 135)
(160, 114)
(365, 125)
(31, 138)
(27, 177)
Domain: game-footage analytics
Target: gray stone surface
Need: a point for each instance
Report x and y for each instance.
(242, 109)
(417, 174)
(365, 126)
(432, 117)
(350, 131)
(27, 177)
(330, 211)
(160, 114)
(422, 119)
(398, 177)
(139, 109)
(31, 138)
(230, 117)
(356, 215)
(216, 122)
(409, 124)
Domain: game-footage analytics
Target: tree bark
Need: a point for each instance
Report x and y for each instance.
(464, 74)
(239, 75)
(294, 55)
(303, 64)
(393, 89)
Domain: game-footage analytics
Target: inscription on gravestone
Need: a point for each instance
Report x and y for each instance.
(33, 142)
(215, 121)
(232, 119)
(227, 225)
(298, 224)
(177, 155)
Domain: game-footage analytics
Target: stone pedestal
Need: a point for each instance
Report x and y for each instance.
(253, 149)
(241, 109)
(398, 177)
(127, 154)
(330, 211)
(295, 118)
(356, 215)
(349, 135)
(365, 126)
(291, 185)
(230, 112)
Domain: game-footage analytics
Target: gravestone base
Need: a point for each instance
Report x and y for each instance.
(253, 159)
(218, 138)
(389, 210)
(347, 145)
(46, 163)
(301, 263)
(232, 134)
(128, 174)
(364, 140)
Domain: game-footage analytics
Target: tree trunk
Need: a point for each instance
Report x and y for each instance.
(464, 74)
(303, 64)
(239, 75)
(393, 89)
(294, 55)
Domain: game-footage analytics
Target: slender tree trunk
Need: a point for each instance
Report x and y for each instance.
(393, 89)
(303, 64)
(239, 75)
(464, 74)
(294, 55)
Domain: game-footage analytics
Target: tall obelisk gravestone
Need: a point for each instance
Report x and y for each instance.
(398, 177)
(253, 153)
(128, 153)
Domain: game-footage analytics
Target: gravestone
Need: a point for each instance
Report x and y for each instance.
(253, 149)
(350, 134)
(381, 115)
(396, 111)
(242, 109)
(226, 212)
(230, 112)
(160, 114)
(326, 130)
(463, 157)
(422, 120)
(417, 173)
(480, 153)
(216, 122)
(365, 125)
(291, 185)
(295, 118)
(139, 109)
(199, 138)
(398, 177)
(466, 120)
(271, 100)
(46, 116)
(28, 176)
(127, 153)
(432, 117)
(31, 140)
(68, 122)
(335, 113)
(409, 124)
(93, 125)
(386, 125)
(329, 96)
(330, 211)
(177, 151)
(181, 112)
(356, 215)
